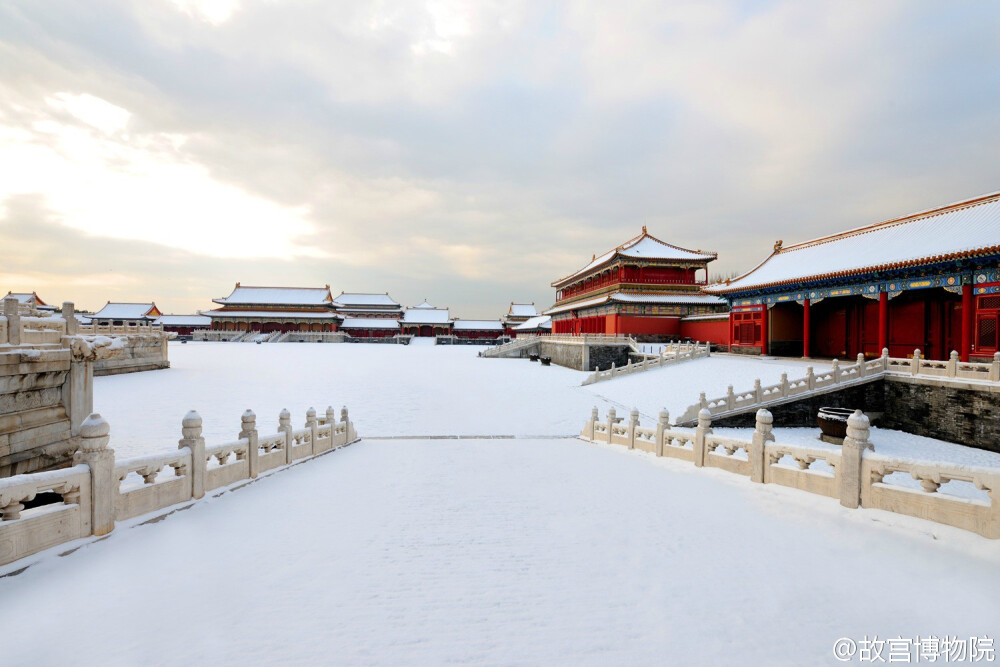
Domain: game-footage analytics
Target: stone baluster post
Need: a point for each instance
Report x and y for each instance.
(810, 378)
(915, 363)
(612, 369)
(589, 428)
(953, 364)
(191, 432)
(313, 425)
(762, 434)
(836, 371)
(13, 320)
(855, 444)
(633, 422)
(662, 426)
(784, 385)
(349, 433)
(285, 426)
(612, 418)
(995, 368)
(730, 398)
(758, 393)
(862, 369)
(95, 433)
(69, 314)
(885, 358)
(702, 401)
(331, 420)
(704, 429)
(248, 430)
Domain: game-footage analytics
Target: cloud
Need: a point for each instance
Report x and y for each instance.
(473, 152)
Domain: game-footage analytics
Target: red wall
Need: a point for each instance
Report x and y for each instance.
(712, 331)
(663, 326)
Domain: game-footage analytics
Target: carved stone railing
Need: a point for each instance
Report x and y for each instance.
(852, 474)
(838, 377)
(98, 491)
(670, 357)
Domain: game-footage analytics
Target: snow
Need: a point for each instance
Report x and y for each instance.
(522, 310)
(676, 387)
(423, 315)
(273, 314)
(123, 311)
(478, 325)
(539, 322)
(916, 240)
(292, 296)
(641, 297)
(360, 299)
(534, 550)
(369, 323)
(499, 552)
(656, 297)
(643, 246)
(389, 389)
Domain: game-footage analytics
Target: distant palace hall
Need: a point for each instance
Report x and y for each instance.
(643, 287)
(927, 281)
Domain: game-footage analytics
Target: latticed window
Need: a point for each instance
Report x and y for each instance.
(986, 333)
(991, 302)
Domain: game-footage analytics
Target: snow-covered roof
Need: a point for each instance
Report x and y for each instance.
(425, 305)
(369, 323)
(641, 297)
(711, 316)
(127, 311)
(26, 297)
(646, 247)
(963, 229)
(522, 310)
(478, 325)
(540, 322)
(273, 314)
(184, 320)
(289, 296)
(422, 315)
(360, 299)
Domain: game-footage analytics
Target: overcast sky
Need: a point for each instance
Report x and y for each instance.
(466, 152)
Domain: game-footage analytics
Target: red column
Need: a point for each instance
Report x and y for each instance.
(763, 329)
(805, 328)
(968, 319)
(883, 321)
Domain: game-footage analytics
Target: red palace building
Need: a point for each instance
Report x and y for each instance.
(927, 281)
(642, 287)
(270, 309)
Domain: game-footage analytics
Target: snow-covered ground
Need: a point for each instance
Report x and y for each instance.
(500, 552)
(392, 390)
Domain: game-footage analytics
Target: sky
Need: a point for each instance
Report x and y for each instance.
(469, 153)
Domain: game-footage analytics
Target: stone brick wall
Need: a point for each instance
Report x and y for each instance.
(569, 355)
(141, 353)
(948, 413)
(601, 356)
(967, 415)
(869, 397)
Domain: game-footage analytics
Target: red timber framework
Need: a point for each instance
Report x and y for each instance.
(644, 287)
(271, 309)
(927, 281)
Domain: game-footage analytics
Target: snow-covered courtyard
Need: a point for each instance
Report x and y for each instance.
(533, 550)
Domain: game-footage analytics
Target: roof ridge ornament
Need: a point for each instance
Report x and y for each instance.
(777, 245)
